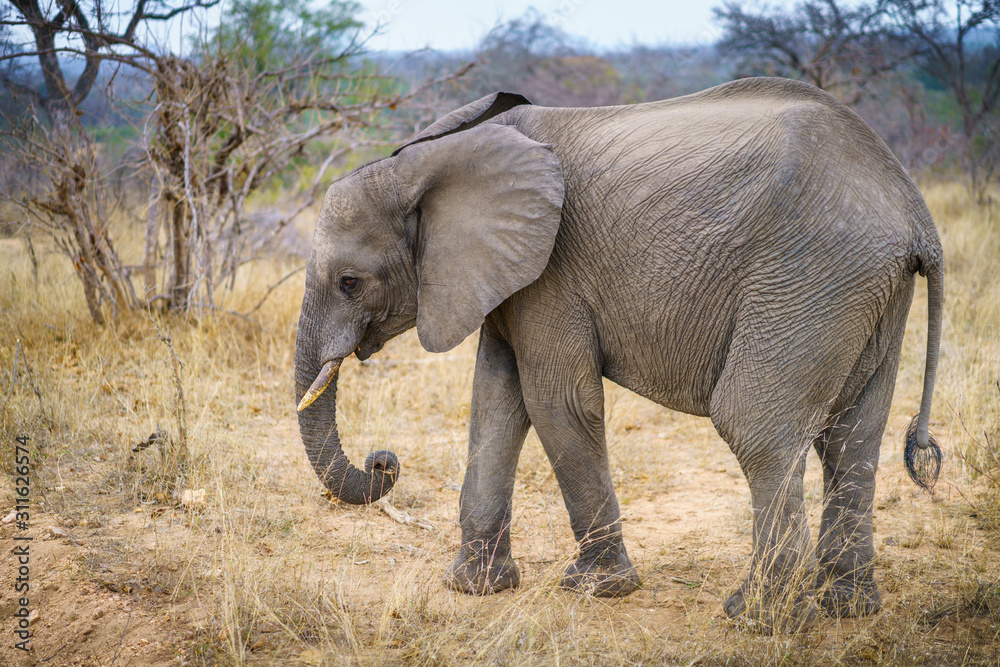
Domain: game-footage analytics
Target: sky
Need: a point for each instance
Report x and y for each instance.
(448, 25)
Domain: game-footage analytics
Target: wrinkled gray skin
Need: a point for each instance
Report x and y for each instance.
(746, 253)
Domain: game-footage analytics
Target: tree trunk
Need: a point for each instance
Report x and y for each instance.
(152, 245)
(180, 282)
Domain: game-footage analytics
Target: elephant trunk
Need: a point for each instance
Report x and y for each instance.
(318, 427)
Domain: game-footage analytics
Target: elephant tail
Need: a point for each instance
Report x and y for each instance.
(922, 455)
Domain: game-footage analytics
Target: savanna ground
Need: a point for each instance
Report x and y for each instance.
(268, 571)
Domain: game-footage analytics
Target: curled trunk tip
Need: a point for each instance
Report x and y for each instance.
(317, 413)
(383, 466)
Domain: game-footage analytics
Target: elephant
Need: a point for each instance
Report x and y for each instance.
(747, 253)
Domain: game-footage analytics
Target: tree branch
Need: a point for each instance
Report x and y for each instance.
(37, 99)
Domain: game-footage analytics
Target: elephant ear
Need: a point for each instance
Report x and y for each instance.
(488, 204)
(469, 116)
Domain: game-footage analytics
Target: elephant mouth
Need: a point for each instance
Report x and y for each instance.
(368, 348)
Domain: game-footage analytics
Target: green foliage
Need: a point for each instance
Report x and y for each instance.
(942, 108)
(117, 138)
(268, 34)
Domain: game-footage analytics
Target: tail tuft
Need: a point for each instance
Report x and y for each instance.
(922, 463)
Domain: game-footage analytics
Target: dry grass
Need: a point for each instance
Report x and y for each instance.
(269, 572)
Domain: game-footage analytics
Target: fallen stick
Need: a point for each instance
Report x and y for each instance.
(400, 516)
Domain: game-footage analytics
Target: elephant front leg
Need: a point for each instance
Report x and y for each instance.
(498, 425)
(566, 403)
(603, 568)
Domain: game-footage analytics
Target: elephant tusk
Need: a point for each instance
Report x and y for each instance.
(319, 385)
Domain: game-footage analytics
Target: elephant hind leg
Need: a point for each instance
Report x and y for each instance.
(849, 451)
(777, 594)
(772, 398)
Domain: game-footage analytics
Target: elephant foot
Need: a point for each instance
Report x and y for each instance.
(610, 574)
(777, 610)
(848, 599)
(482, 573)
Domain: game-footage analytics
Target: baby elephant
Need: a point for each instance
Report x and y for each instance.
(746, 253)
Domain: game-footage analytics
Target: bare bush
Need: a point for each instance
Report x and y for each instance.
(540, 61)
(960, 47)
(843, 50)
(270, 99)
(71, 204)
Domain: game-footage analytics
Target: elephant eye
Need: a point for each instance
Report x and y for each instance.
(348, 284)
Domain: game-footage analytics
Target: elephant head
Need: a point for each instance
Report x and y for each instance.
(437, 235)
